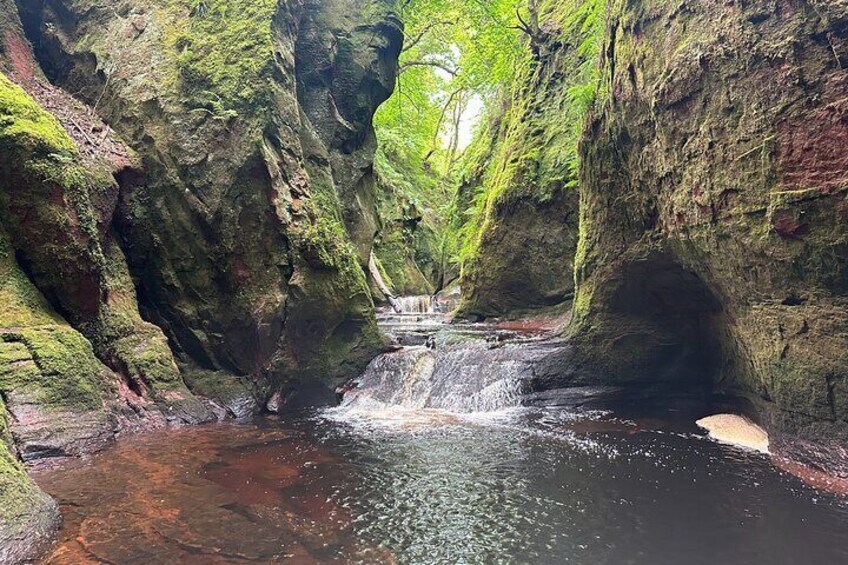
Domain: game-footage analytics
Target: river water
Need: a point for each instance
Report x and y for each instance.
(434, 457)
(519, 486)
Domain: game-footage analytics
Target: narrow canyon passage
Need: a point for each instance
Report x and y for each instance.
(423, 282)
(436, 454)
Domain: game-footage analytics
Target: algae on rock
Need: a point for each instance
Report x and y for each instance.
(57, 208)
(247, 178)
(713, 215)
(519, 183)
(28, 517)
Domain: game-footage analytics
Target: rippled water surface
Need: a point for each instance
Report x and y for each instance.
(525, 486)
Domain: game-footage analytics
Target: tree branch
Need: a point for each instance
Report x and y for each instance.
(417, 39)
(441, 121)
(409, 64)
(531, 28)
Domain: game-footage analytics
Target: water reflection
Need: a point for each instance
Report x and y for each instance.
(520, 486)
(535, 487)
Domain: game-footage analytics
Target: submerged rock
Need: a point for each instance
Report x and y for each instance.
(195, 227)
(28, 517)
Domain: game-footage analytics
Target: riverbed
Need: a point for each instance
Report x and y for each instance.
(523, 485)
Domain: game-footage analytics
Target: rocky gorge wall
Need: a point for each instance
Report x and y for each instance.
(713, 247)
(714, 242)
(409, 248)
(252, 214)
(520, 176)
(186, 239)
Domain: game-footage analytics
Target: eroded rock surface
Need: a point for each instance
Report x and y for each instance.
(521, 255)
(252, 122)
(194, 226)
(714, 207)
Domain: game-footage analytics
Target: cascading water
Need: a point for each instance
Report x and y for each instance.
(414, 304)
(460, 379)
(455, 368)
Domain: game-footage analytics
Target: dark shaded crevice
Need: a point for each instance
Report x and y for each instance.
(123, 371)
(611, 54)
(49, 291)
(671, 320)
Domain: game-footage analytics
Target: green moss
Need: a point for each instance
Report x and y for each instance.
(5, 433)
(147, 357)
(531, 151)
(325, 244)
(239, 394)
(383, 273)
(69, 375)
(409, 245)
(119, 333)
(583, 292)
(42, 155)
(22, 304)
(23, 123)
(18, 495)
(223, 51)
(397, 263)
(39, 352)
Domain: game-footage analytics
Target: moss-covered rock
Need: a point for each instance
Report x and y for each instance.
(57, 207)
(29, 360)
(253, 124)
(518, 195)
(28, 517)
(46, 367)
(409, 246)
(713, 212)
(239, 228)
(346, 62)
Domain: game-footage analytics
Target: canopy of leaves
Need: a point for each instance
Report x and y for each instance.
(455, 50)
(488, 54)
(529, 147)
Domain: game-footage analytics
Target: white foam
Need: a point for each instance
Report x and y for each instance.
(736, 430)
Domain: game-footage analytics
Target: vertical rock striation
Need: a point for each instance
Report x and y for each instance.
(520, 179)
(247, 225)
(195, 226)
(714, 246)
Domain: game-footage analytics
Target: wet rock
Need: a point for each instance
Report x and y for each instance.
(28, 517)
(704, 214)
(468, 376)
(238, 202)
(220, 247)
(524, 242)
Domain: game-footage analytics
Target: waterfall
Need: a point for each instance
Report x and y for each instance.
(415, 304)
(458, 368)
(462, 378)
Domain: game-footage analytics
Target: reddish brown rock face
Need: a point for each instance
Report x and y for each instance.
(788, 224)
(222, 224)
(812, 151)
(19, 56)
(716, 171)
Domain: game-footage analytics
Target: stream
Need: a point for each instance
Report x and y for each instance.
(434, 458)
